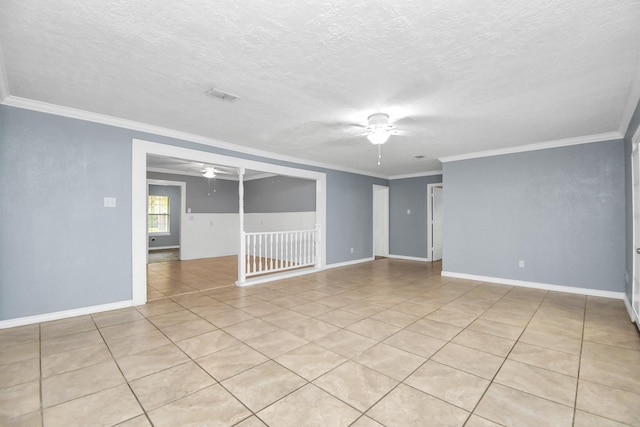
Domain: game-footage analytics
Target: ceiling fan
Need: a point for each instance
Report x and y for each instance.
(379, 131)
(210, 171)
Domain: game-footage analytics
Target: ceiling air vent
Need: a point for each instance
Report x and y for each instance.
(225, 96)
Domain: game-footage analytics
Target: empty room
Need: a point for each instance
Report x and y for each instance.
(320, 213)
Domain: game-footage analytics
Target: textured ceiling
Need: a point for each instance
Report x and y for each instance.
(188, 167)
(470, 75)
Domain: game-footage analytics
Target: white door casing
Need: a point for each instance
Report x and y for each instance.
(139, 189)
(380, 220)
(183, 203)
(434, 221)
(635, 173)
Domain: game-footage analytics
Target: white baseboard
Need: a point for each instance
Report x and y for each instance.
(160, 248)
(627, 305)
(29, 320)
(536, 285)
(294, 273)
(278, 276)
(346, 263)
(409, 258)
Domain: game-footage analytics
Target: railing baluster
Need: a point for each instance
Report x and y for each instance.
(303, 248)
(247, 253)
(253, 253)
(267, 252)
(270, 236)
(280, 235)
(286, 250)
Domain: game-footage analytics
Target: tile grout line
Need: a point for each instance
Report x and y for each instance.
(40, 373)
(198, 364)
(402, 382)
(584, 322)
(491, 382)
(113, 358)
(363, 295)
(472, 412)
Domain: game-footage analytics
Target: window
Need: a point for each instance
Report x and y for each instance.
(158, 215)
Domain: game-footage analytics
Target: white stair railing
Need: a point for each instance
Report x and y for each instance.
(276, 251)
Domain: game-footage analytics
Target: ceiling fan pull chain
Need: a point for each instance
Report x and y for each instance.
(379, 154)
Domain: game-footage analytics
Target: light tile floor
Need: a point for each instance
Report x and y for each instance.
(388, 343)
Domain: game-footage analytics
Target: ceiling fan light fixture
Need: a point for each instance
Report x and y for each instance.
(380, 129)
(378, 136)
(208, 172)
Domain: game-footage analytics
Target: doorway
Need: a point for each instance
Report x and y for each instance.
(434, 221)
(142, 148)
(635, 174)
(380, 221)
(176, 191)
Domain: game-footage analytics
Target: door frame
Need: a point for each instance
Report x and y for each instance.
(430, 219)
(183, 206)
(635, 174)
(139, 151)
(379, 190)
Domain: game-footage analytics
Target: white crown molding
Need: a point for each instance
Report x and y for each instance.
(587, 139)
(89, 116)
(416, 175)
(536, 285)
(632, 102)
(4, 81)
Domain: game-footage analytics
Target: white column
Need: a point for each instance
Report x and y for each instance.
(243, 251)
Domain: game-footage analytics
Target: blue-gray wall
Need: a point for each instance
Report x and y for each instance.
(630, 250)
(173, 239)
(560, 210)
(266, 195)
(408, 233)
(279, 194)
(200, 194)
(350, 219)
(60, 249)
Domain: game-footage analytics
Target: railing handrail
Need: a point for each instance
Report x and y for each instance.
(283, 231)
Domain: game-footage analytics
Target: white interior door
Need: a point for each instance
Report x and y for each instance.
(380, 220)
(635, 297)
(436, 223)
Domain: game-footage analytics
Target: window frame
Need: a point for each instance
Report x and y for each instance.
(167, 215)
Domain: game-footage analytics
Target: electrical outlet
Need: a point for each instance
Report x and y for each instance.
(351, 250)
(521, 263)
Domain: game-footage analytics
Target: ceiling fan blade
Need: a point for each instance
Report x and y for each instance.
(349, 140)
(219, 170)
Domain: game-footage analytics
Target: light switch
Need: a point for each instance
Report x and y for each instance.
(109, 202)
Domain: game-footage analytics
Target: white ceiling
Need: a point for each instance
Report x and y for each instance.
(472, 75)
